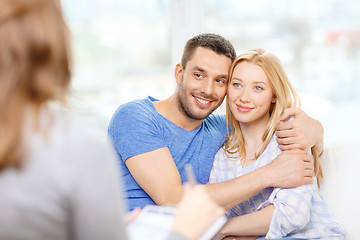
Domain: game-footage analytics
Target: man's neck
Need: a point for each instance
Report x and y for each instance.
(169, 108)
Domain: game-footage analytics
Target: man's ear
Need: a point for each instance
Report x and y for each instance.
(178, 73)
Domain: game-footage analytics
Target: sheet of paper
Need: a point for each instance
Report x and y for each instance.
(155, 222)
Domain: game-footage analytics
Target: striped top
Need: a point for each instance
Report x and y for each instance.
(299, 212)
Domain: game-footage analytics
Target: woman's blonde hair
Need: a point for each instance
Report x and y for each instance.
(34, 66)
(286, 97)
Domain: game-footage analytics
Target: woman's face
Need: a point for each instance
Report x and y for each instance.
(249, 93)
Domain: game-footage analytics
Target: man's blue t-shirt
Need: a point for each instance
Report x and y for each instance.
(136, 127)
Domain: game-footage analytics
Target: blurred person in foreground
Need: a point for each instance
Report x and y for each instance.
(58, 178)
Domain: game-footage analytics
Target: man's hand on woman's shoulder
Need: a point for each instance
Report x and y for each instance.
(302, 132)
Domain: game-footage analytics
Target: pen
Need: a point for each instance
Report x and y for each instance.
(190, 174)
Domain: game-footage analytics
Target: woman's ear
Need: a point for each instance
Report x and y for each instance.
(273, 100)
(179, 70)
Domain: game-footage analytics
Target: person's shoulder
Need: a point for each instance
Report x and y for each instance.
(216, 117)
(71, 126)
(135, 107)
(65, 134)
(216, 120)
(273, 144)
(271, 151)
(137, 115)
(79, 143)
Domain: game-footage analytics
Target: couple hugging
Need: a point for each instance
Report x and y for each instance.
(260, 161)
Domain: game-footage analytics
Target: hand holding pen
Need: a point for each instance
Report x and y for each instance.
(196, 211)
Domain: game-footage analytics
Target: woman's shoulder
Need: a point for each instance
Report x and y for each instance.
(71, 127)
(65, 133)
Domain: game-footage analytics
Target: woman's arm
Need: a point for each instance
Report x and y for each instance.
(289, 169)
(285, 211)
(254, 224)
(292, 209)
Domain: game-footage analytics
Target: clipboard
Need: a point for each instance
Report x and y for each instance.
(155, 222)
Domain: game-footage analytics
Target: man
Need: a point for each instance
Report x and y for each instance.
(155, 139)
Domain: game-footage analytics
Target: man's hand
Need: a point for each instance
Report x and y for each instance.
(291, 168)
(302, 132)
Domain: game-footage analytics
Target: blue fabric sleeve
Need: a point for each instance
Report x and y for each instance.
(134, 130)
(219, 121)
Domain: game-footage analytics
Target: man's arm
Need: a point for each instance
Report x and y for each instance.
(281, 216)
(290, 169)
(302, 132)
(157, 174)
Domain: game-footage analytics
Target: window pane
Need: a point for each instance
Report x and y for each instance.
(121, 52)
(318, 43)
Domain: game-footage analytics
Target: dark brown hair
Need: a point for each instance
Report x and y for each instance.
(214, 42)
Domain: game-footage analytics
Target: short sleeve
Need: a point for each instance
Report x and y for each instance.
(134, 129)
(218, 121)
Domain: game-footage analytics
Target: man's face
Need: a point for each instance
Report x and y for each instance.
(202, 84)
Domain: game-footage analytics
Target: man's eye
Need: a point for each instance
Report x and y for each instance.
(198, 75)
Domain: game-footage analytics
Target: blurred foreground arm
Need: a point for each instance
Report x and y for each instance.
(196, 212)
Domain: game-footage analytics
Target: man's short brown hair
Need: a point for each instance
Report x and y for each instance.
(214, 42)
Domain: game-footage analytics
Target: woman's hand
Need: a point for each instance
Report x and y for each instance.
(130, 216)
(196, 212)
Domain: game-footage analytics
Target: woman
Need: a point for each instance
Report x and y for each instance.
(58, 179)
(258, 93)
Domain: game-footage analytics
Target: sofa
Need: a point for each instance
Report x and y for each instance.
(339, 188)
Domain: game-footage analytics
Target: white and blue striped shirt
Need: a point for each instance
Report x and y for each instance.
(299, 212)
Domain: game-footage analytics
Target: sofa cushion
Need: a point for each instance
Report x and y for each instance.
(340, 186)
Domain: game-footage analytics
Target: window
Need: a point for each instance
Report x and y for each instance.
(318, 43)
(121, 52)
(128, 49)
